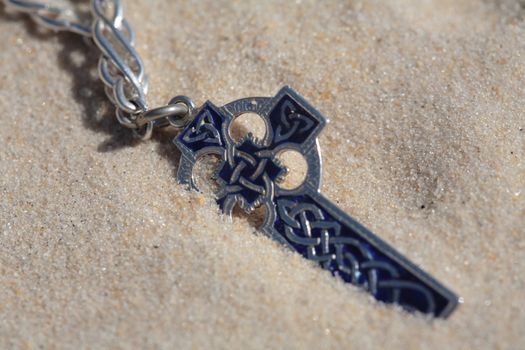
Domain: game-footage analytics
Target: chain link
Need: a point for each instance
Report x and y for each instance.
(49, 16)
(120, 67)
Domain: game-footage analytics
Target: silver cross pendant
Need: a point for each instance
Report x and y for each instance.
(302, 218)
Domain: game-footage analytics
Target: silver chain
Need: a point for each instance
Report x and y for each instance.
(120, 67)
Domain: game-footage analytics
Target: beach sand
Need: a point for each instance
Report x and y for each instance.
(101, 248)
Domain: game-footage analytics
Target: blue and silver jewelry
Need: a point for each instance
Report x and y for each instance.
(250, 174)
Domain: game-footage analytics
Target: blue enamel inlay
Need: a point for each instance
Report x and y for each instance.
(250, 174)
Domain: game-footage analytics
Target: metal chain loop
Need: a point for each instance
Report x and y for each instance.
(110, 29)
(120, 67)
(180, 121)
(48, 16)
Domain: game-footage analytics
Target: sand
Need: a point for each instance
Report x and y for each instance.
(101, 248)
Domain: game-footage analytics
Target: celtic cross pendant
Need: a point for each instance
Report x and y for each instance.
(302, 219)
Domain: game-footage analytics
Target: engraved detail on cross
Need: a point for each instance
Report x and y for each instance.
(302, 218)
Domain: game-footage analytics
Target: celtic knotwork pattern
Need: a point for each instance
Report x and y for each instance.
(292, 123)
(249, 175)
(204, 130)
(312, 232)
